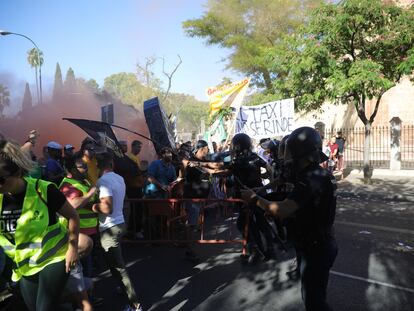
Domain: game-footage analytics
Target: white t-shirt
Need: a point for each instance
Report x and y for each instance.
(112, 185)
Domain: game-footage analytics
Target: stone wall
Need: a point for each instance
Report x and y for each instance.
(397, 102)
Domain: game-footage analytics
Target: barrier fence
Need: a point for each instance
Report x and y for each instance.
(380, 146)
(163, 219)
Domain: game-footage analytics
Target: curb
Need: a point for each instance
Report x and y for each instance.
(364, 195)
(378, 173)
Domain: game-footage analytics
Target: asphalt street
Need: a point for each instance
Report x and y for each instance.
(374, 269)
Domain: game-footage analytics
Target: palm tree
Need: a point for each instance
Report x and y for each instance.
(4, 98)
(35, 59)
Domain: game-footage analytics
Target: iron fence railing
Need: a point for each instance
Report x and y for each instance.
(380, 146)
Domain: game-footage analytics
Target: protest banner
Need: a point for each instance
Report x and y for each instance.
(268, 120)
(229, 95)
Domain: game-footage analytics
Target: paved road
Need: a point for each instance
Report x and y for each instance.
(374, 270)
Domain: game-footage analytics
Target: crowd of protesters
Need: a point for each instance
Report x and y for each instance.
(94, 181)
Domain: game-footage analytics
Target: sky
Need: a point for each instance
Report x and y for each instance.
(98, 38)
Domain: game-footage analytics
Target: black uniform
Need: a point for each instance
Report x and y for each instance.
(247, 170)
(311, 229)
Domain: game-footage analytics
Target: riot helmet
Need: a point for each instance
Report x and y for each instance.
(304, 144)
(241, 143)
(281, 149)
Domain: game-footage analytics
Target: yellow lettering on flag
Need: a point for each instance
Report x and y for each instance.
(229, 95)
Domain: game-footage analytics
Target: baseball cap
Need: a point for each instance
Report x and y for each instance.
(69, 146)
(53, 145)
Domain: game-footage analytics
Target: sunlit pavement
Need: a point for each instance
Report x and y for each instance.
(373, 271)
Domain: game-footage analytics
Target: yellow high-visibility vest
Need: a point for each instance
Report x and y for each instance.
(88, 218)
(36, 244)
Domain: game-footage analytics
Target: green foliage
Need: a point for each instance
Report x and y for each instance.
(70, 81)
(126, 87)
(90, 85)
(4, 98)
(35, 59)
(224, 113)
(27, 98)
(248, 28)
(350, 52)
(58, 85)
(131, 91)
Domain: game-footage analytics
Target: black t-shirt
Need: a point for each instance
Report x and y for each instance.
(12, 210)
(315, 193)
(248, 170)
(197, 182)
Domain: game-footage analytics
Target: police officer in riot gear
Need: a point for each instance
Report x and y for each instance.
(246, 169)
(311, 209)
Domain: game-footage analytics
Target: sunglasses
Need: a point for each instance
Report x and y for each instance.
(82, 166)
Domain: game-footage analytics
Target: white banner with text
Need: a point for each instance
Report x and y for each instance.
(268, 120)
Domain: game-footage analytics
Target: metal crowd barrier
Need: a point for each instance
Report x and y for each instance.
(170, 211)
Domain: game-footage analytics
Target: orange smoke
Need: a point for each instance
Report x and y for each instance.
(84, 104)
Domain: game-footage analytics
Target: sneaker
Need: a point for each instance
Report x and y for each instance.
(129, 308)
(254, 257)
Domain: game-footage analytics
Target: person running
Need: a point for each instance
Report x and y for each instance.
(111, 187)
(40, 250)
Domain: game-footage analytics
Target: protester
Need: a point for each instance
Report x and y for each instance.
(54, 171)
(28, 147)
(161, 176)
(111, 187)
(134, 184)
(30, 143)
(334, 153)
(197, 185)
(327, 151)
(40, 250)
(89, 157)
(68, 154)
(80, 194)
(340, 141)
(124, 146)
(311, 212)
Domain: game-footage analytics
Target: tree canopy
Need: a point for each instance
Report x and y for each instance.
(128, 88)
(4, 98)
(27, 98)
(351, 52)
(248, 28)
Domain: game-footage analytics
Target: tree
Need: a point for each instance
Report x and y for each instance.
(248, 28)
(90, 85)
(70, 81)
(351, 52)
(4, 98)
(126, 87)
(35, 59)
(58, 86)
(27, 98)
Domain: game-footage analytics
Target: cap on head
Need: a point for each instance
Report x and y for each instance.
(69, 147)
(53, 145)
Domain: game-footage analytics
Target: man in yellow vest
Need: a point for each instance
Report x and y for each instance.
(81, 194)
